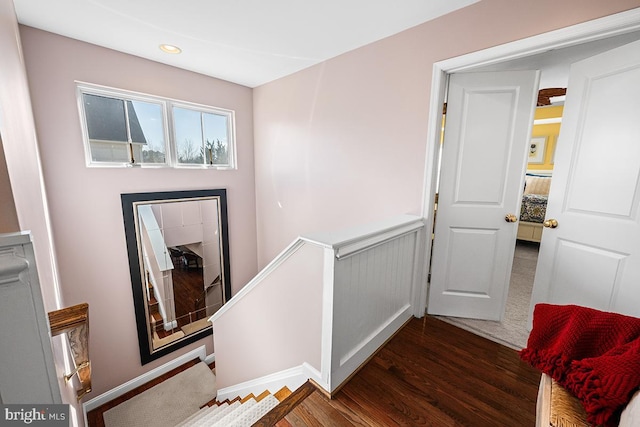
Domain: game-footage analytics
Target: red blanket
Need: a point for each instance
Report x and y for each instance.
(593, 354)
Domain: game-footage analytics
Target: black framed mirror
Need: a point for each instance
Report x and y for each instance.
(178, 248)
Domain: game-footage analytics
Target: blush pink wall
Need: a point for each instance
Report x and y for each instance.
(265, 348)
(21, 155)
(24, 205)
(8, 215)
(344, 142)
(337, 144)
(85, 209)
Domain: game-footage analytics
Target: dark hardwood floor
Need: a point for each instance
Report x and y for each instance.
(188, 286)
(430, 374)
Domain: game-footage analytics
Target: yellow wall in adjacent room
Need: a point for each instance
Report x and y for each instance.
(550, 132)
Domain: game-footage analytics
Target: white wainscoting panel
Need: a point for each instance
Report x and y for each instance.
(27, 371)
(327, 302)
(372, 300)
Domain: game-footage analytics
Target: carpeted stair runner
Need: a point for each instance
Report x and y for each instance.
(182, 401)
(167, 403)
(209, 414)
(235, 414)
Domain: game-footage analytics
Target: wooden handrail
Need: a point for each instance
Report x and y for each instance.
(74, 321)
(287, 405)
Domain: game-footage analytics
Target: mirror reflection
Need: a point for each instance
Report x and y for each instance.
(179, 268)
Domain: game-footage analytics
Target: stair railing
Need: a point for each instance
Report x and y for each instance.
(203, 295)
(321, 308)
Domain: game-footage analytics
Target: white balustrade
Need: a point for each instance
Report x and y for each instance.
(321, 308)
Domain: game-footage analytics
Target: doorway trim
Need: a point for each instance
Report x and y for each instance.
(608, 26)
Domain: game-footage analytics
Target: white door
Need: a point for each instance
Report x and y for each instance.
(592, 258)
(487, 134)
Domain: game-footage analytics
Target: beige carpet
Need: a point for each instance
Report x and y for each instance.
(512, 331)
(196, 326)
(167, 403)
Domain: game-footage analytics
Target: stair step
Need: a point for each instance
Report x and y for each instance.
(239, 412)
(288, 401)
(214, 416)
(253, 414)
(263, 395)
(204, 412)
(154, 307)
(234, 415)
(283, 393)
(157, 322)
(247, 398)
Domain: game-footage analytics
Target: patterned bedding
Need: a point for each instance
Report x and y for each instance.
(534, 207)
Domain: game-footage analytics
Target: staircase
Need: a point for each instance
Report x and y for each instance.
(349, 292)
(154, 311)
(238, 412)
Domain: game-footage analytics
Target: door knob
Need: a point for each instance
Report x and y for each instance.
(550, 223)
(510, 218)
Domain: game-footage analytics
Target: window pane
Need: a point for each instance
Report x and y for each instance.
(105, 118)
(121, 127)
(188, 128)
(216, 138)
(147, 129)
(104, 151)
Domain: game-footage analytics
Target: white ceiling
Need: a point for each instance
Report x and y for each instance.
(250, 42)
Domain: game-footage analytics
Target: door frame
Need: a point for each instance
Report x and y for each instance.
(608, 26)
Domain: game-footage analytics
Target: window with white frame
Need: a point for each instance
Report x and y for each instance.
(201, 136)
(123, 128)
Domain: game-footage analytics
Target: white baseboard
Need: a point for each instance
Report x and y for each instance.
(210, 359)
(349, 363)
(108, 396)
(292, 378)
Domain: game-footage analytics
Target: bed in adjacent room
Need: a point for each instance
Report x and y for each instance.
(534, 207)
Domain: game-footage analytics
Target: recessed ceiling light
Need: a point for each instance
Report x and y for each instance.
(170, 48)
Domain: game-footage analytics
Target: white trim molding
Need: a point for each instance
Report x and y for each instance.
(291, 378)
(608, 26)
(354, 248)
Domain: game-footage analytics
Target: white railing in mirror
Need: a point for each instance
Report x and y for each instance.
(321, 308)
